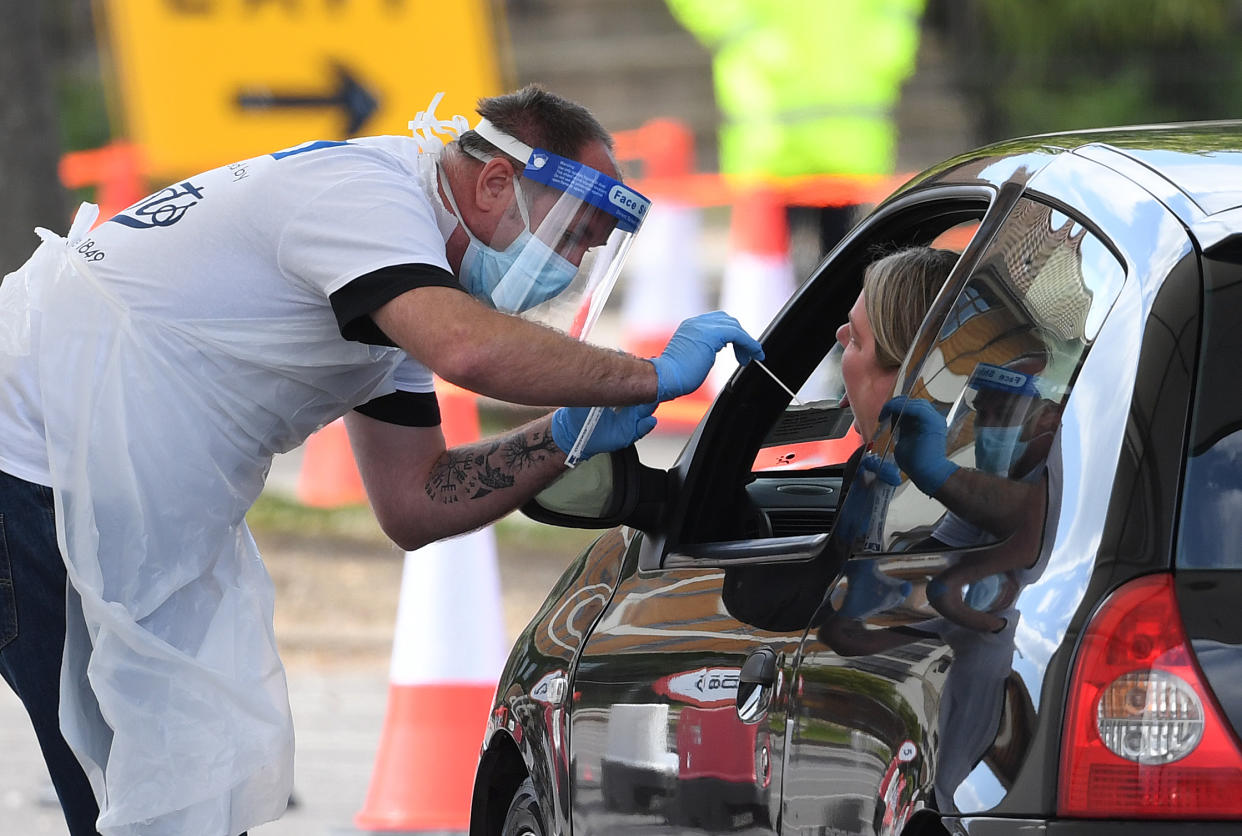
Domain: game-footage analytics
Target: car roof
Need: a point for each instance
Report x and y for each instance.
(1201, 160)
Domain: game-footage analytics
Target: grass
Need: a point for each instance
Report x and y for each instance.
(274, 514)
(278, 514)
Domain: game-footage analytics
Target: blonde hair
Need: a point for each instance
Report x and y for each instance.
(898, 291)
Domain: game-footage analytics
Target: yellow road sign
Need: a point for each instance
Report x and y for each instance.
(204, 82)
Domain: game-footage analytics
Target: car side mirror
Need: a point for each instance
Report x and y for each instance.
(604, 491)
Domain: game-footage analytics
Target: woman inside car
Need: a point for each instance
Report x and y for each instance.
(985, 504)
(898, 291)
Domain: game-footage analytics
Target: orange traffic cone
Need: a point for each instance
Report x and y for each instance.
(116, 170)
(759, 276)
(448, 651)
(459, 414)
(329, 475)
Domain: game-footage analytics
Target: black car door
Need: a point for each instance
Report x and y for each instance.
(680, 693)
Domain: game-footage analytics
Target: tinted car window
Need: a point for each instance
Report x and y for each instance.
(1211, 523)
(1001, 367)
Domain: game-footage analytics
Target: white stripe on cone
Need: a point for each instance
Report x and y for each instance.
(755, 288)
(449, 649)
(450, 622)
(664, 273)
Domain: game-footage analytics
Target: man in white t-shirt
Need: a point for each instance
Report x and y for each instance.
(151, 368)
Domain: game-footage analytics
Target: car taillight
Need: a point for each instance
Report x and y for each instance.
(1143, 734)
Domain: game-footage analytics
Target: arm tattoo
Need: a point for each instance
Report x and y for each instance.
(475, 471)
(520, 451)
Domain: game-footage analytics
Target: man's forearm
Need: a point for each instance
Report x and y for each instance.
(996, 504)
(474, 484)
(507, 358)
(472, 472)
(544, 368)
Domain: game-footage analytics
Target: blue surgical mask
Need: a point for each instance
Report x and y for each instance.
(482, 267)
(997, 448)
(535, 272)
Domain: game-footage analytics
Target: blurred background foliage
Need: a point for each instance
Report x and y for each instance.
(1068, 64)
(77, 78)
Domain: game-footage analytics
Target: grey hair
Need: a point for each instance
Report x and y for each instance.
(540, 119)
(898, 291)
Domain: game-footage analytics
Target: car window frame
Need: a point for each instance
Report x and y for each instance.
(1215, 420)
(722, 448)
(929, 337)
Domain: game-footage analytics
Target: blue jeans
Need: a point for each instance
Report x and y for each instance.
(32, 635)
(33, 585)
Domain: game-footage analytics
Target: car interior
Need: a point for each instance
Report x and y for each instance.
(776, 468)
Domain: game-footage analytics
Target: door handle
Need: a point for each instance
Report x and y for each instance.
(754, 685)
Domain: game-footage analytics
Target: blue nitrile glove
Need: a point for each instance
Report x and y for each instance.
(690, 354)
(920, 446)
(617, 428)
(854, 515)
(883, 469)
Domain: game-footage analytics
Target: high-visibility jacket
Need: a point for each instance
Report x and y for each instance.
(806, 86)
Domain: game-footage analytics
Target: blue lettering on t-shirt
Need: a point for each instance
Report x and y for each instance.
(164, 208)
(309, 146)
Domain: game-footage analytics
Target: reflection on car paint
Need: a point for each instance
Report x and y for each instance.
(911, 682)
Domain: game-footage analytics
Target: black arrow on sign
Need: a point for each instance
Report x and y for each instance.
(350, 96)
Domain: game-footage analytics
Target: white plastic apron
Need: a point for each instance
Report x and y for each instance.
(159, 436)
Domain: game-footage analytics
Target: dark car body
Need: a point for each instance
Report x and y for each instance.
(724, 660)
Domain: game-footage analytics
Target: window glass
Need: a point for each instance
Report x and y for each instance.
(814, 433)
(1211, 526)
(996, 378)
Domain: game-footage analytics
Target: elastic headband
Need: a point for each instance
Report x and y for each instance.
(511, 145)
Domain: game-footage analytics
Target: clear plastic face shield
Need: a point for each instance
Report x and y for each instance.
(577, 228)
(1002, 401)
